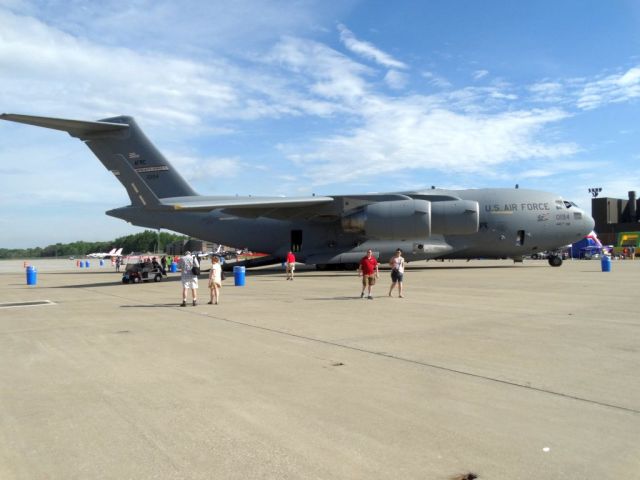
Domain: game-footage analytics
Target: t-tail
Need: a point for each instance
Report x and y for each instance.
(125, 151)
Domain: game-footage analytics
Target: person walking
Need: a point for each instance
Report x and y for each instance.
(368, 270)
(397, 272)
(215, 281)
(118, 261)
(189, 267)
(291, 265)
(163, 263)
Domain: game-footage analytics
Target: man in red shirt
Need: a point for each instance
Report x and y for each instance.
(291, 265)
(368, 269)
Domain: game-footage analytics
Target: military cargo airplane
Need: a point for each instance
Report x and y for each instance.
(328, 230)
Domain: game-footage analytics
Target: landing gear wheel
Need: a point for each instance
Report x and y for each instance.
(555, 261)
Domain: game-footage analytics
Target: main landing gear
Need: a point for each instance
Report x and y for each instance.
(555, 261)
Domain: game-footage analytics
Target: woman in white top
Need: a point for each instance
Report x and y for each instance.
(215, 280)
(397, 272)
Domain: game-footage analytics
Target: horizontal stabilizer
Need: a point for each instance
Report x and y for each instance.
(76, 128)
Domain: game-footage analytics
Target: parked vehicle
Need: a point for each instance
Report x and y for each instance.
(141, 272)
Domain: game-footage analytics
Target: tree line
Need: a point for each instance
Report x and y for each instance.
(147, 241)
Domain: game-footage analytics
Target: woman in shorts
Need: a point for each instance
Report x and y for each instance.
(215, 280)
(397, 272)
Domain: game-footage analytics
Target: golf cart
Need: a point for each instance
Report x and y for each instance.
(141, 272)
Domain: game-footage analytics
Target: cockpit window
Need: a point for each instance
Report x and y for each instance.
(562, 204)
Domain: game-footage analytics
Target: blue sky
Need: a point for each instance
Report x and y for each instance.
(326, 97)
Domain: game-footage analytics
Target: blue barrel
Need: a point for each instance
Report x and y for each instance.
(86, 263)
(238, 276)
(32, 275)
(173, 268)
(101, 263)
(605, 263)
(81, 264)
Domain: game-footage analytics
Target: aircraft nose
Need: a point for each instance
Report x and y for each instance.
(588, 222)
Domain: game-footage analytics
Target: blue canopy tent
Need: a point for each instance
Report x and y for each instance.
(588, 247)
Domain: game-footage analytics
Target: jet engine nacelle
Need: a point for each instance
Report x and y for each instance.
(414, 219)
(395, 220)
(455, 217)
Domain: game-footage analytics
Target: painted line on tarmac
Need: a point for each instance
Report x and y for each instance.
(423, 364)
(35, 303)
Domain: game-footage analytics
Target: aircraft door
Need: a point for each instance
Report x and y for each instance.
(520, 238)
(296, 240)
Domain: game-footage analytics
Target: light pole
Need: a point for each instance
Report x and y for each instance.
(595, 191)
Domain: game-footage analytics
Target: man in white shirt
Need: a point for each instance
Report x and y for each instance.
(188, 277)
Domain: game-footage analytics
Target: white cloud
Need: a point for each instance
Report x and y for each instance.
(54, 72)
(408, 134)
(188, 28)
(616, 88)
(396, 80)
(327, 73)
(548, 92)
(478, 74)
(436, 80)
(197, 168)
(368, 50)
(465, 130)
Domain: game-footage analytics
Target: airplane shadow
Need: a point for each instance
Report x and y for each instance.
(95, 272)
(460, 267)
(156, 305)
(114, 283)
(334, 298)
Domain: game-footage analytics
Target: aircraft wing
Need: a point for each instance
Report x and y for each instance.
(314, 207)
(251, 207)
(204, 204)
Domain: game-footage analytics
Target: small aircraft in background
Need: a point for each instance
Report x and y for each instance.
(113, 253)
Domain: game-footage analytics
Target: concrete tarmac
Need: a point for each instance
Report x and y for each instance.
(508, 371)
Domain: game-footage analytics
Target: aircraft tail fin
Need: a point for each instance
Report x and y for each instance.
(139, 192)
(112, 139)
